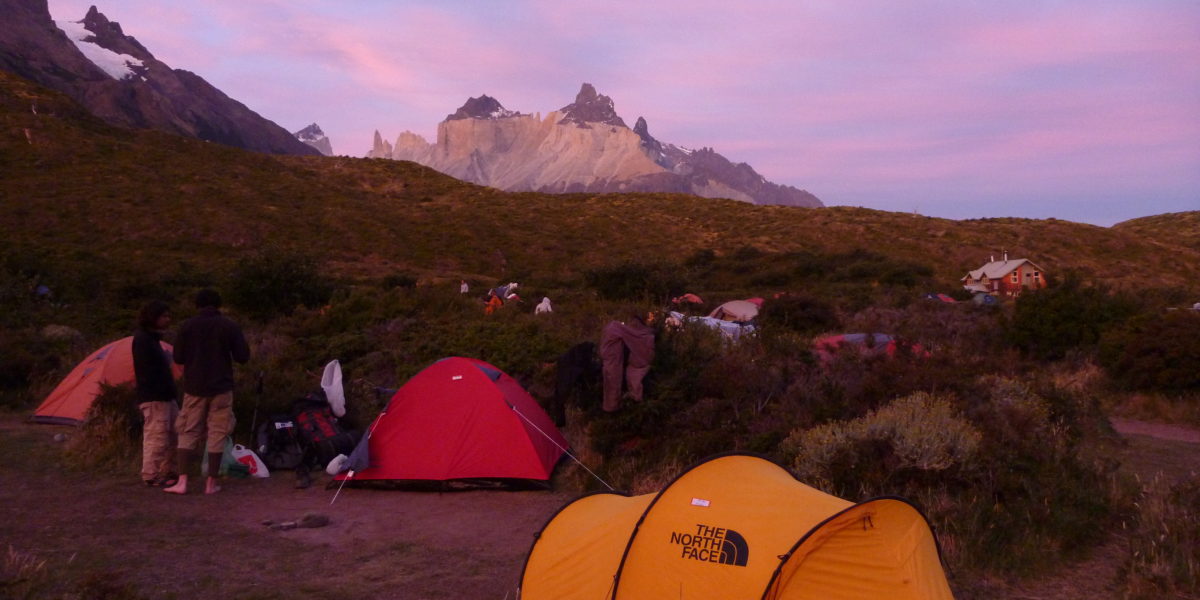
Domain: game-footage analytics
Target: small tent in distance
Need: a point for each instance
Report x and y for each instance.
(735, 526)
(70, 402)
(460, 419)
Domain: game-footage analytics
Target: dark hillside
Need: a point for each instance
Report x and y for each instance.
(142, 200)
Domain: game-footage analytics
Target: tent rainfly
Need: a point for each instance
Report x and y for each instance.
(735, 526)
(112, 364)
(459, 419)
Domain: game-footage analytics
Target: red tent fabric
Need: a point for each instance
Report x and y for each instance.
(462, 418)
(69, 403)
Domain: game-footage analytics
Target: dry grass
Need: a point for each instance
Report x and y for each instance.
(24, 576)
(1164, 559)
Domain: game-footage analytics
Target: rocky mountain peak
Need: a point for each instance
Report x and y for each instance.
(109, 35)
(311, 132)
(483, 107)
(313, 136)
(591, 106)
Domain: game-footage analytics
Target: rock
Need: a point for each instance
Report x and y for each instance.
(284, 526)
(60, 437)
(313, 520)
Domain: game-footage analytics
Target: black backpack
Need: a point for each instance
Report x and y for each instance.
(319, 430)
(279, 443)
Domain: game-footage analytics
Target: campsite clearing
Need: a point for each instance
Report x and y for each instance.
(99, 529)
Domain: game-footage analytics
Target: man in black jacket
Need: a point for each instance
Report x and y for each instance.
(207, 345)
(156, 394)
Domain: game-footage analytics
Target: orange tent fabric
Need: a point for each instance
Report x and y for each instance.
(69, 403)
(735, 526)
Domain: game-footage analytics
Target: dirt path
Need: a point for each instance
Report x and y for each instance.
(380, 544)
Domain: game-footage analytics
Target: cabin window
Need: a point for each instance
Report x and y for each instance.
(1037, 275)
(1014, 277)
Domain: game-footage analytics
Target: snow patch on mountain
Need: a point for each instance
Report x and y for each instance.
(117, 66)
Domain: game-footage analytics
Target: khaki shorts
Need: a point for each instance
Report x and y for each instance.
(201, 413)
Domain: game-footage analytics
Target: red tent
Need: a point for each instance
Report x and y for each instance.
(461, 418)
(69, 403)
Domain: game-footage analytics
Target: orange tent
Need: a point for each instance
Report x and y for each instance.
(735, 526)
(69, 403)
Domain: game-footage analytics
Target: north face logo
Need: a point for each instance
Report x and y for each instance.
(713, 544)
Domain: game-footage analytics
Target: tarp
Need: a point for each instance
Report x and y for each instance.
(735, 526)
(461, 418)
(736, 310)
(112, 364)
(731, 330)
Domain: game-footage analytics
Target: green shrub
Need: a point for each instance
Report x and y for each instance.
(636, 281)
(1154, 352)
(400, 280)
(276, 282)
(1048, 323)
(111, 435)
(911, 437)
(1164, 561)
(799, 313)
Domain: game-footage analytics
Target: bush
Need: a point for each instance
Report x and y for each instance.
(111, 435)
(274, 283)
(636, 281)
(802, 314)
(1154, 352)
(1048, 323)
(910, 438)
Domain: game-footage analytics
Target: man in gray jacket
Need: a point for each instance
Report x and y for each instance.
(206, 346)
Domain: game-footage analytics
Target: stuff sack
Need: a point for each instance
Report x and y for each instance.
(278, 442)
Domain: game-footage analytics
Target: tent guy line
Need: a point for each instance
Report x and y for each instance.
(565, 451)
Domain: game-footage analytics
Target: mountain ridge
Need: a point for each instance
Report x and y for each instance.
(584, 146)
(116, 78)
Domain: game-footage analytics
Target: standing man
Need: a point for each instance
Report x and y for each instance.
(633, 339)
(156, 395)
(207, 345)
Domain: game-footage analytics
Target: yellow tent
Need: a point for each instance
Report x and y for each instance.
(734, 527)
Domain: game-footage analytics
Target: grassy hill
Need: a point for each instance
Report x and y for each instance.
(133, 203)
(1179, 229)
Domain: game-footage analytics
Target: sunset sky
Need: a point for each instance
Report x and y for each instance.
(1081, 110)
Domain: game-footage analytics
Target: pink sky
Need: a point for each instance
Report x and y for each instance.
(1080, 110)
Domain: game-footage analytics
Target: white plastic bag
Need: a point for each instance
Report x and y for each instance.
(247, 457)
(331, 382)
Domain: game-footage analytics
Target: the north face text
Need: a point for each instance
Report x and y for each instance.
(712, 544)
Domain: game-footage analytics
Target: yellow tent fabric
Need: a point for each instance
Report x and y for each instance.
(735, 526)
(577, 554)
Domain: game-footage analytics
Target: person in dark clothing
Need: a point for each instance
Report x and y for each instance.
(207, 346)
(633, 338)
(156, 394)
(574, 367)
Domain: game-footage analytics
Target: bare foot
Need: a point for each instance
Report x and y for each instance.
(211, 487)
(180, 486)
